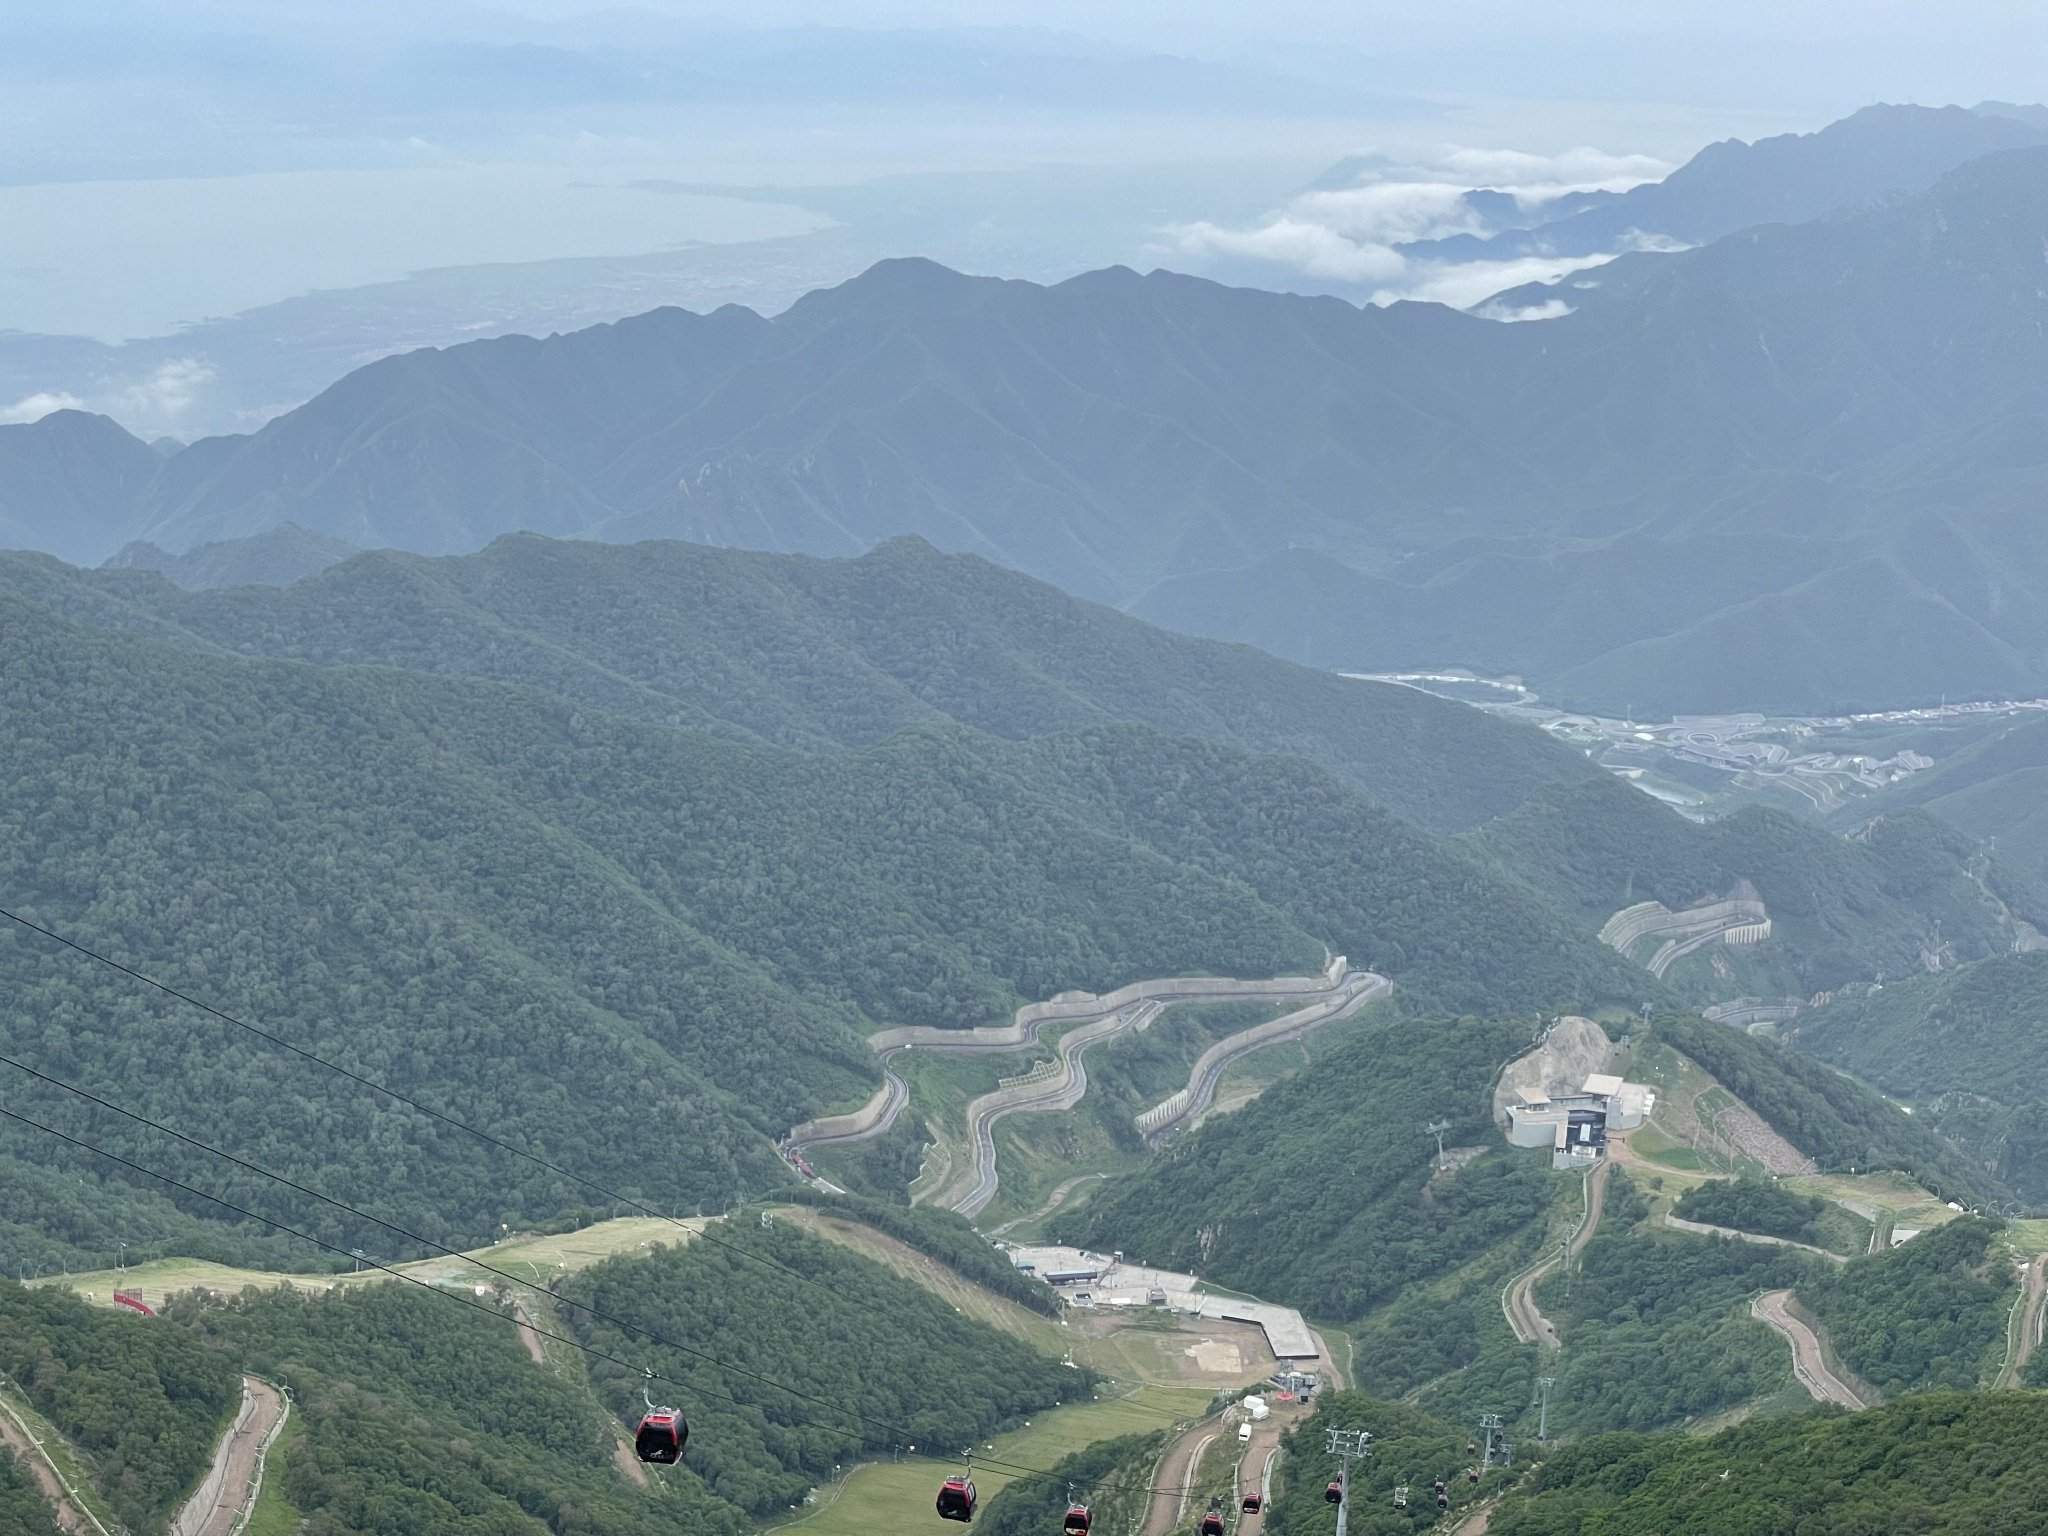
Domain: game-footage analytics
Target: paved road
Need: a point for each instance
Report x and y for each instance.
(1680, 1224)
(1063, 1090)
(1357, 990)
(2019, 1352)
(232, 1484)
(1808, 1363)
(1518, 1300)
(1022, 1032)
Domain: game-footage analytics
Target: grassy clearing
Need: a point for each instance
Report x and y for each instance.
(534, 1257)
(883, 1496)
(1894, 1197)
(1140, 1347)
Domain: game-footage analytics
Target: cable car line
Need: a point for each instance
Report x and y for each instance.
(416, 1104)
(643, 1371)
(391, 1093)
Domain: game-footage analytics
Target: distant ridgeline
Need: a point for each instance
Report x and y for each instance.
(1351, 486)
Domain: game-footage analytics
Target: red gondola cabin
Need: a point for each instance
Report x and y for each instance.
(1252, 1502)
(1077, 1521)
(661, 1437)
(1334, 1494)
(956, 1499)
(1212, 1524)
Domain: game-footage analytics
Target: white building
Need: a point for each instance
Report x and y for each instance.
(1575, 1126)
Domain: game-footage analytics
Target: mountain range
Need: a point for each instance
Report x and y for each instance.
(1790, 470)
(1879, 153)
(565, 831)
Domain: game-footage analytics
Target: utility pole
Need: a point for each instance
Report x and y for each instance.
(1495, 1450)
(1437, 1128)
(1543, 1385)
(1347, 1445)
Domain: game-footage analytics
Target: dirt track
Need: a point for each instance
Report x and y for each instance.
(2029, 1323)
(1518, 1301)
(1175, 1478)
(1808, 1363)
(69, 1516)
(231, 1487)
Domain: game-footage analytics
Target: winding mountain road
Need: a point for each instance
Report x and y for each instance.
(1337, 993)
(227, 1494)
(1809, 1362)
(1357, 989)
(2027, 1322)
(1517, 1298)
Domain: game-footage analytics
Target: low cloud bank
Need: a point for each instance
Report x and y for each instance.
(38, 405)
(1347, 232)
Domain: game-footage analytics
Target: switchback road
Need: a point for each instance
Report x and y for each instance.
(1518, 1300)
(1809, 1363)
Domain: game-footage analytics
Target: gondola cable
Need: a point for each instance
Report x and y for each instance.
(412, 1103)
(391, 1093)
(641, 1370)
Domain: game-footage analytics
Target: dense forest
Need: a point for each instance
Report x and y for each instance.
(1939, 1464)
(1755, 1205)
(564, 925)
(414, 1416)
(1967, 1047)
(1323, 1193)
(23, 1510)
(827, 654)
(875, 1364)
(1656, 1325)
(1833, 1119)
(1928, 1313)
(949, 1238)
(145, 1403)
(1842, 909)
(1445, 1345)
(1408, 1446)
(1112, 1477)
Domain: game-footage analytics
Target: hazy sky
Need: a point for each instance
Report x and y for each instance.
(165, 162)
(1826, 54)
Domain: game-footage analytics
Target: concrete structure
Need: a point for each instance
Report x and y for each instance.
(1111, 1283)
(1575, 1126)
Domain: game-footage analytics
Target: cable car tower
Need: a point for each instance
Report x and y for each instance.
(1494, 1448)
(1347, 1445)
(1437, 1128)
(1543, 1386)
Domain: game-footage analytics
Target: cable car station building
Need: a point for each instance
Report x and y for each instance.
(1575, 1126)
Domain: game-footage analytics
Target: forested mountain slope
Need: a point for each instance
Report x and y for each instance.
(569, 926)
(1942, 1464)
(1787, 451)
(142, 1404)
(1930, 1312)
(1842, 908)
(1832, 1118)
(1996, 788)
(1320, 1192)
(1968, 1048)
(822, 653)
